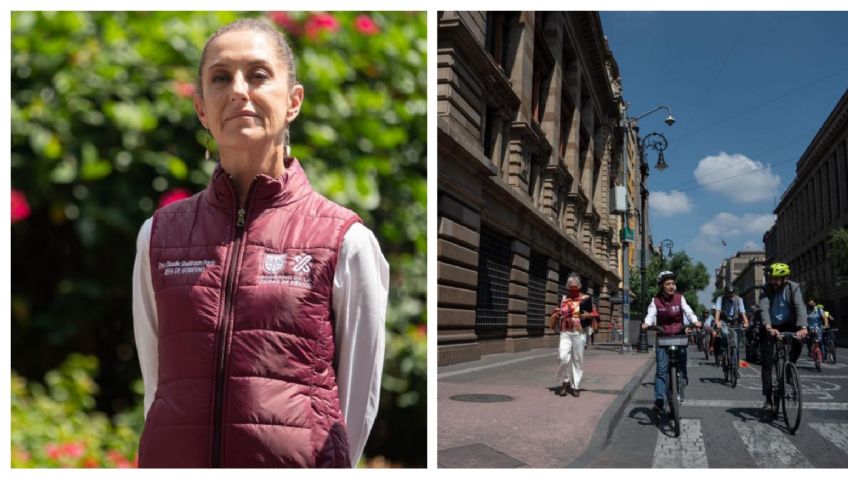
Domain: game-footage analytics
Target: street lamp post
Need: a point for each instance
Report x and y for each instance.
(626, 124)
(657, 142)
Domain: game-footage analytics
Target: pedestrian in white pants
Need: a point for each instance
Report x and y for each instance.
(571, 320)
(570, 370)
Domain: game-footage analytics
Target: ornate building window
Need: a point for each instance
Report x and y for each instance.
(493, 270)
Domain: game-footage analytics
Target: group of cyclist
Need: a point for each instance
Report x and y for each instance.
(781, 309)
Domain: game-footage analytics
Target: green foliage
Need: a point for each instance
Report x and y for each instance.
(103, 126)
(837, 250)
(692, 277)
(56, 426)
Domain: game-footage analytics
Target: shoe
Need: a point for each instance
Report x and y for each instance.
(563, 390)
(768, 406)
(575, 392)
(656, 409)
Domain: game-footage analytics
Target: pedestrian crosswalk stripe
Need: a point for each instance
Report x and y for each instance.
(687, 451)
(769, 447)
(836, 433)
(815, 406)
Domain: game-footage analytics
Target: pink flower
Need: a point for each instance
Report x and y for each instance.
(184, 89)
(173, 195)
(20, 206)
(365, 25)
(286, 22)
(73, 449)
(118, 459)
(53, 451)
(319, 23)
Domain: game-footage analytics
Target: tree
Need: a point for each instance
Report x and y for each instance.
(691, 278)
(837, 250)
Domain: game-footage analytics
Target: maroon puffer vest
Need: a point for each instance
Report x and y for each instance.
(670, 314)
(246, 347)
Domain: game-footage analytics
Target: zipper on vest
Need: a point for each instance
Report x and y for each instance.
(224, 331)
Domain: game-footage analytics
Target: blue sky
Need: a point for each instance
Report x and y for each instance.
(749, 91)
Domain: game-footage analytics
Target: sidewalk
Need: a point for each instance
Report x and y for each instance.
(536, 428)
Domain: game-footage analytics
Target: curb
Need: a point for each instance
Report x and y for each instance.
(608, 421)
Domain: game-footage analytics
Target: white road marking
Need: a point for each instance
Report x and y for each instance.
(769, 447)
(817, 406)
(686, 452)
(834, 432)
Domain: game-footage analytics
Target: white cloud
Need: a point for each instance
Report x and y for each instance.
(725, 225)
(668, 204)
(737, 177)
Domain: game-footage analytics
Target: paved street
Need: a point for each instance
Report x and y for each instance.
(503, 411)
(723, 427)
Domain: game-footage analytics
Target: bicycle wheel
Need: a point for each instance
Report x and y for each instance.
(831, 351)
(792, 398)
(817, 356)
(777, 388)
(673, 403)
(734, 366)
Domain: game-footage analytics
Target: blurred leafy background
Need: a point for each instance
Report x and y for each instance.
(104, 132)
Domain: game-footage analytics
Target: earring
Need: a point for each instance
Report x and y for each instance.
(288, 148)
(208, 155)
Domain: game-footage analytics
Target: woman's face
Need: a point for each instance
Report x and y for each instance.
(669, 287)
(246, 96)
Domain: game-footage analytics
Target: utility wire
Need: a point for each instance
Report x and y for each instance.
(715, 77)
(765, 166)
(765, 103)
(761, 153)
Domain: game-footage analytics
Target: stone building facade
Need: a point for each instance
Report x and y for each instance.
(732, 267)
(750, 280)
(529, 148)
(815, 203)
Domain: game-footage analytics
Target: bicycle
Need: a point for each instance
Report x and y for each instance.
(752, 347)
(730, 360)
(786, 387)
(831, 344)
(815, 347)
(676, 383)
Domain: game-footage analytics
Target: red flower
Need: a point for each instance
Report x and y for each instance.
(53, 451)
(118, 460)
(173, 195)
(286, 22)
(73, 449)
(20, 206)
(90, 463)
(365, 25)
(184, 89)
(319, 23)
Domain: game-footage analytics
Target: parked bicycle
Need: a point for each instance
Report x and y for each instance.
(786, 386)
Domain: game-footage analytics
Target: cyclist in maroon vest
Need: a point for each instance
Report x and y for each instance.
(668, 311)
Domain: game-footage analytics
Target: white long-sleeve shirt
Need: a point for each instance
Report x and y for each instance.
(360, 296)
(689, 317)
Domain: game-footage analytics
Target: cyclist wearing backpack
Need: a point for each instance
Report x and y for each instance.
(732, 307)
(782, 308)
(670, 312)
(815, 318)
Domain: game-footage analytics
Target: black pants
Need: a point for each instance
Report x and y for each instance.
(767, 354)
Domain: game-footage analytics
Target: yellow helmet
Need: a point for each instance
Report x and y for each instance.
(779, 270)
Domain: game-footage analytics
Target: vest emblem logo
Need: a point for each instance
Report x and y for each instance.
(274, 262)
(302, 263)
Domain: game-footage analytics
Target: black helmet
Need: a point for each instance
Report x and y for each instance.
(728, 289)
